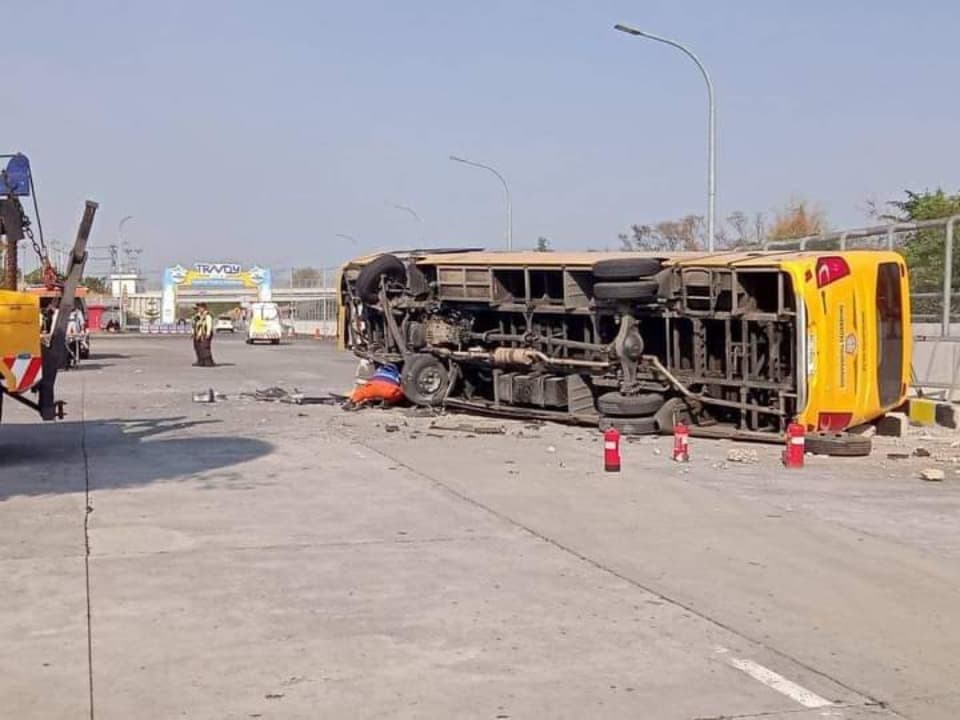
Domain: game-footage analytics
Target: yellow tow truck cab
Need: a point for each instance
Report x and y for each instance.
(20, 347)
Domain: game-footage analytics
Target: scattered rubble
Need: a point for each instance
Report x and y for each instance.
(470, 428)
(418, 411)
(278, 394)
(743, 456)
(208, 396)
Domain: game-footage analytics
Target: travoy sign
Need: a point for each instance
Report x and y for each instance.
(213, 276)
(217, 270)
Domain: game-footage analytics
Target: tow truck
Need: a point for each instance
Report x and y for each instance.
(30, 358)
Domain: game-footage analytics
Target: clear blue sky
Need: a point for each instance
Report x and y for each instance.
(257, 131)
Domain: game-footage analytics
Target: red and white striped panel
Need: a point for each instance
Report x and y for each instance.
(26, 371)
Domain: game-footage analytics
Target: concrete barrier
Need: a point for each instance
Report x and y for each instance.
(326, 329)
(936, 364)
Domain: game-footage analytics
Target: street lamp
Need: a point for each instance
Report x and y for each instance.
(506, 190)
(412, 212)
(712, 122)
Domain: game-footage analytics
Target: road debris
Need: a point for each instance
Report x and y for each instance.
(421, 411)
(295, 397)
(470, 428)
(743, 456)
(208, 396)
(933, 475)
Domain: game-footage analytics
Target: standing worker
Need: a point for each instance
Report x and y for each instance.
(203, 336)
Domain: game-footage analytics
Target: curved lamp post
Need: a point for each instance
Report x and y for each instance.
(506, 190)
(412, 212)
(712, 123)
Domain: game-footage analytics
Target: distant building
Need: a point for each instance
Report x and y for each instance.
(126, 284)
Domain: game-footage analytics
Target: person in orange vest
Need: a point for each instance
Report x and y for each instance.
(203, 337)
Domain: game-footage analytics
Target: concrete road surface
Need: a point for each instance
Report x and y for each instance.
(246, 559)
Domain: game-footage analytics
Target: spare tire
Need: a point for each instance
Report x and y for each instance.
(626, 268)
(837, 444)
(368, 281)
(636, 290)
(631, 426)
(617, 404)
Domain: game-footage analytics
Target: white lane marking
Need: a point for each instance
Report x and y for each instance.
(775, 681)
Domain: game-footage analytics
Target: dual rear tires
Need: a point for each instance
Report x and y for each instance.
(616, 404)
(630, 414)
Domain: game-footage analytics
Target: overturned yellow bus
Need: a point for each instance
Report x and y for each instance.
(735, 344)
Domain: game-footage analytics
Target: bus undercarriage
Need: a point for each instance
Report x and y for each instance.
(627, 342)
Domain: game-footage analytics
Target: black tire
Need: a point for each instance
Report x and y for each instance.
(424, 380)
(368, 281)
(632, 426)
(617, 404)
(636, 290)
(627, 268)
(274, 342)
(837, 444)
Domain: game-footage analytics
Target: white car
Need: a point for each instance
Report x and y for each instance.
(224, 323)
(264, 323)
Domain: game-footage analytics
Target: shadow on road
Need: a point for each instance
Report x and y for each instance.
(93, 365)
(39, 459)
